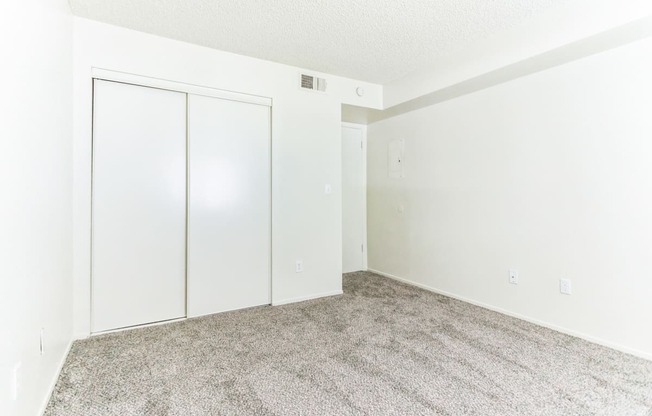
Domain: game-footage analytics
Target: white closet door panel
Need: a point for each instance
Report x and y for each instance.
(353, 200)
(139, 205)
(229, 205)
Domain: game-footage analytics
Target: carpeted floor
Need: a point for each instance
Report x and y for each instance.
(383, 348)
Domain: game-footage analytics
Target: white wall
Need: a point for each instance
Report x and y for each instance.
(306, 223)
(36, 206)
(549, 174)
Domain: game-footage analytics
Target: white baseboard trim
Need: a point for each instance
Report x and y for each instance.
(309, 297)
(53, 383)
(80, 335)
(129, 328)
(564, 330)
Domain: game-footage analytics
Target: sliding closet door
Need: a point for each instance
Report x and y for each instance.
(138, 205)
(229, 205)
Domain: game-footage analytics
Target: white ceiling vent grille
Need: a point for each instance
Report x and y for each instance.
(308, 82)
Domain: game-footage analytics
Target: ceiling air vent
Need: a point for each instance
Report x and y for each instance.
(309, 82)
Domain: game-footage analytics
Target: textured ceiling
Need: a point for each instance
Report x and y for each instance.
(371, 40)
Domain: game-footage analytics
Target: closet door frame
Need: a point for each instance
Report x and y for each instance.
(158, 83)
(163, 84)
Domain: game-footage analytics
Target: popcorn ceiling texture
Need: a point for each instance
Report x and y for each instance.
(372, 40)
(382, 348)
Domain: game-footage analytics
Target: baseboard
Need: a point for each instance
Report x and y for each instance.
(53, 383)
(80, 335)
(535, 321)
(309, 297)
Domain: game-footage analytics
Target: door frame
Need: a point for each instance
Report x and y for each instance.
(158, 83)
(363, 129)
(164, 84)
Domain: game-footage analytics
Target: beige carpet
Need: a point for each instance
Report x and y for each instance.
(383, 348)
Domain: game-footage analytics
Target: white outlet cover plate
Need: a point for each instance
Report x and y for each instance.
(513, 277)
(565, 286)
(15, 382)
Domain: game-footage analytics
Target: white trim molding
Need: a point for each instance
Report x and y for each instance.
(127, 78)
(544, 324)
(53, 382)
(309, 297)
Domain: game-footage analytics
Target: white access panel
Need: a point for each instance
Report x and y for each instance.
(229, 205)
(353, 200)
(138, 205)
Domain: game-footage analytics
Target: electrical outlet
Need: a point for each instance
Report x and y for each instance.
(565, 286)
(513, 277)
(299, 266)
(328, 189)
(15, 381)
